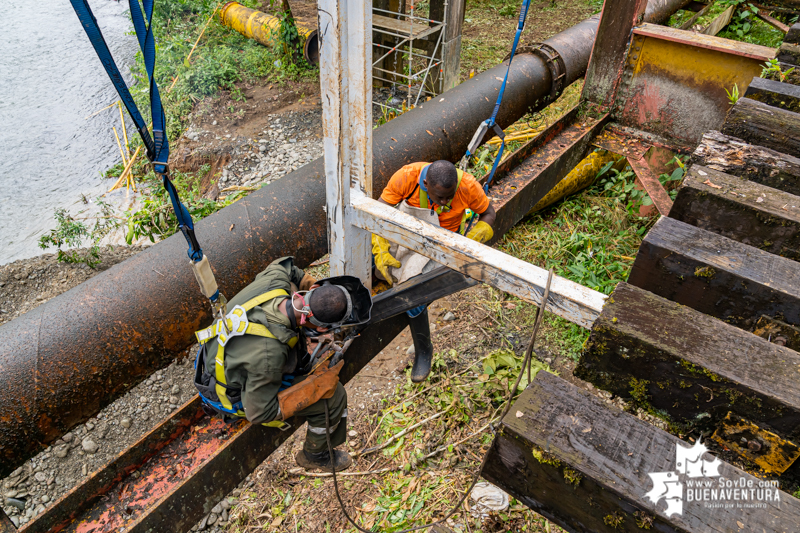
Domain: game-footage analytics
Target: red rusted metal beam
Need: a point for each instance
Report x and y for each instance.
(551, 156)
(607, 62)
(181, 469)
(651, 185)
(634, 148)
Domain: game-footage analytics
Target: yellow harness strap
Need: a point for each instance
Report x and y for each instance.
(423, 196)
(236, 324)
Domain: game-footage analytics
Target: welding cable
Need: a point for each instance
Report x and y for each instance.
(526, 363)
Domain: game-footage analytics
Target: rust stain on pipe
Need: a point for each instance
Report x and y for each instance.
(75, 354)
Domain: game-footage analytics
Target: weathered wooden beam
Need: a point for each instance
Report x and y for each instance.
(775, 23)
(794, 34)
(764, 125)
(789, 53)
(668, 358)
(774, 93)
(689, 23)
(755, 163)
(568, 299)
(741, 210)
(715, 275)
(720, 22)
(592, 468)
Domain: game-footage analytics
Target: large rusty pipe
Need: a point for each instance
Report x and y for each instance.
(69, 357)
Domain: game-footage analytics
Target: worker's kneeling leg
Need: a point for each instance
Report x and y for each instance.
(315, 416)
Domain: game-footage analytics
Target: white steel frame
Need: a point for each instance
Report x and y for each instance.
(346, 80)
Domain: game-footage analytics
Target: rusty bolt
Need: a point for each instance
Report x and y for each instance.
(753, 445)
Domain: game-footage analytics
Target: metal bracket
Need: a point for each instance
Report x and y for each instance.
(553, 60)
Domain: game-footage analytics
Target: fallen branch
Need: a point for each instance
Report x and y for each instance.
(401, 434)
(299, 471)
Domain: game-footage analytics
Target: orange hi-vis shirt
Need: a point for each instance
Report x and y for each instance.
(469, 195)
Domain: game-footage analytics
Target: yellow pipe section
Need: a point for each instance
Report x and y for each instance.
(265, 29)
(579, 178)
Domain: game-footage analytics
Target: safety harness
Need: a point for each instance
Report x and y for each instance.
(157, 146)
(467, 218)
(491, 121)
(235, 324)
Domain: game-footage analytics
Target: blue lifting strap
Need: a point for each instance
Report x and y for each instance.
(157, 147)
(490, 123)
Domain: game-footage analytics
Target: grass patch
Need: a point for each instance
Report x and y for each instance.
(221, 59)
(590, 238)
(744, 25)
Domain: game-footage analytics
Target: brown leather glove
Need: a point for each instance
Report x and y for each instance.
(320, 385)
(307, 282)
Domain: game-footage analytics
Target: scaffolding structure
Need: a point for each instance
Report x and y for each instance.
(419, 71)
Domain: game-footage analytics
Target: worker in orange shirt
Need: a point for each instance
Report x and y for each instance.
(442, 195)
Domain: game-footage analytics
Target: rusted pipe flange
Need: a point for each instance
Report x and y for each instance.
(553, 60)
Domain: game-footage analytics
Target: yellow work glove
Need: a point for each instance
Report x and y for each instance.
(383, 259)
(482, 232)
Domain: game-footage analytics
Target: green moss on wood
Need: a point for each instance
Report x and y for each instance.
(572, 477)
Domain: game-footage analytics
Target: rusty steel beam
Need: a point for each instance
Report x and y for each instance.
(72, 356)
(185, 465)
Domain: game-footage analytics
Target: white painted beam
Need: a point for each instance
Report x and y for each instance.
(345, 36)
(568, 299)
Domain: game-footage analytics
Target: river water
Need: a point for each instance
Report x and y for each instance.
(50, 81)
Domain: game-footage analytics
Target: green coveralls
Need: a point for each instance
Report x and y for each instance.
(255, 364)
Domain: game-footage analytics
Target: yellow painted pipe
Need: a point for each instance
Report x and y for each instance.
(579, 178)
(265, 29)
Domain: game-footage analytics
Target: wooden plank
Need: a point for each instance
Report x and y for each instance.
(715, 275)
(741, 210)
(652, 185)
(775, 23)
(689, 23)
(589, 468)
(608, 58)
(719, 23)
(774, 93)
(755, 163)
(764, 125)
(667, 357)
(793, 36)
(413, 30)
(568, 299)
(789, 53)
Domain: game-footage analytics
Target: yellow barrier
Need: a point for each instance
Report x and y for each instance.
(579, 178)
(265, 29)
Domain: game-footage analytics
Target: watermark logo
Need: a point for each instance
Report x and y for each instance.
(698, 480)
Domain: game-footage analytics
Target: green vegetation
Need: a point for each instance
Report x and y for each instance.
(71, 232)
(591, 237)
(744, 25)
(772, 70)
(221, 59)
(156, 219)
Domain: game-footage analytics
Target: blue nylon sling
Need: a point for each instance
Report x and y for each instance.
(157, 147)
(490, 122)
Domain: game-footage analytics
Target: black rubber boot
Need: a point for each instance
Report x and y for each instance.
(322, 460)
(423, 347)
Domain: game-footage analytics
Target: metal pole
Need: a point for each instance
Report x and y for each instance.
(346, 83)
